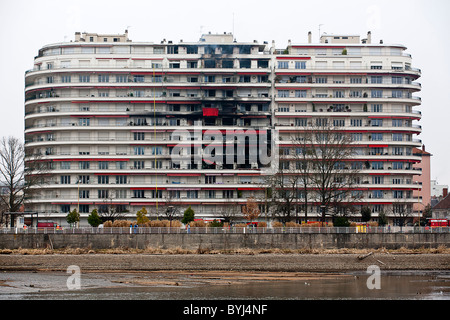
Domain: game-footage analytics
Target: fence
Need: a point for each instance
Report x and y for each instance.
(227, 230)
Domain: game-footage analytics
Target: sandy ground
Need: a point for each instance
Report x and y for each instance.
(225, 262)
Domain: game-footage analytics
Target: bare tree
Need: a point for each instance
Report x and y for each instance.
(19, 178)
(322, 171)
(230, 210)
(284, 188)
(333, 177)
(251, 210)
(172, 206)
(109, 210)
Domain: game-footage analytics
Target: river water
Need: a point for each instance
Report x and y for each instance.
(399, 285)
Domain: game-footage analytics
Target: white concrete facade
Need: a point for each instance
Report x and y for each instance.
(103, 114)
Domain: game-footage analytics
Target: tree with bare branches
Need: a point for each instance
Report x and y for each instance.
(19, 178)
(251, 210)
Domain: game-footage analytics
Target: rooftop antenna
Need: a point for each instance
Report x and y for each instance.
(320, 25)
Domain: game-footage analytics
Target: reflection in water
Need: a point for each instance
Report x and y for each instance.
(155, 286)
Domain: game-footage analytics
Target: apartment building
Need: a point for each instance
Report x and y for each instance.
(123, 125)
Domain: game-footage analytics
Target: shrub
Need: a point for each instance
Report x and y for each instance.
(107, 224)
(277, 224)
(94, 219)
(188, 215)
(341, 222)
(262, 224)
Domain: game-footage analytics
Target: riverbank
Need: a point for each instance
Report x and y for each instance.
(265, 261)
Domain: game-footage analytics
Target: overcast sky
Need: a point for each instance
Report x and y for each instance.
(421, 25)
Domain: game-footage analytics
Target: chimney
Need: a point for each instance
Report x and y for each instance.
(444, 192)
(309, 37)
(369, 37)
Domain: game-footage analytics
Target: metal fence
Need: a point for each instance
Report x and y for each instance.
(222, 230)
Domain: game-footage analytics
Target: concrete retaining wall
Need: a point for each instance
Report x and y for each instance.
(226, 241)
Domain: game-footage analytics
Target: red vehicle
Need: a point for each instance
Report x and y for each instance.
(439, 223)
(48, 225)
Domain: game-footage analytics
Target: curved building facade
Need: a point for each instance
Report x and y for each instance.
(123, 125)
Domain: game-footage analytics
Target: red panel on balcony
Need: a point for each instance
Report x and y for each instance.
(210, 112)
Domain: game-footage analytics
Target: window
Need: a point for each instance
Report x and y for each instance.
(64, 165)
(300, 65)
(377, 208)
(157, 194)
(283, 64)
(300, 93)
(377, 194)
(83, 165)
(354, 80)
(192, 194)
(121, 194)
(377, 180)
(377, 108)
(84, 78)
(377, 137)
(65, 180)
(376, 151)
(84, 208)
(103, 194)
(377, 122)
(302, 122)
(377, 94)
(397, 137)
(139, 151)
(121, 179)
(138, 194)
(397, 123)
(397, 80)
(376, 79)
(157, 164)
(339, 123)
(156, 150)
(321, 80)
(283, 93)
(397, 194)
(191, 50)
(397, 94)
(397, 165)
(66, 79)
(85, 122)
(377, 165)
(398, 151)
(227, 194)
(338, 94)
(138, 165)
(103, 179)
(356, 136)
(121, 165)
(138, 78)
(139, 135)
(103, 78)
(211, 194)
(121, 78)
(65, 208)
(356, 122)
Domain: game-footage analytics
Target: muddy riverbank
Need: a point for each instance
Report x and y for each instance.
(271, 262)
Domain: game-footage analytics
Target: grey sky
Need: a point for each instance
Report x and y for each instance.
(422, 26)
